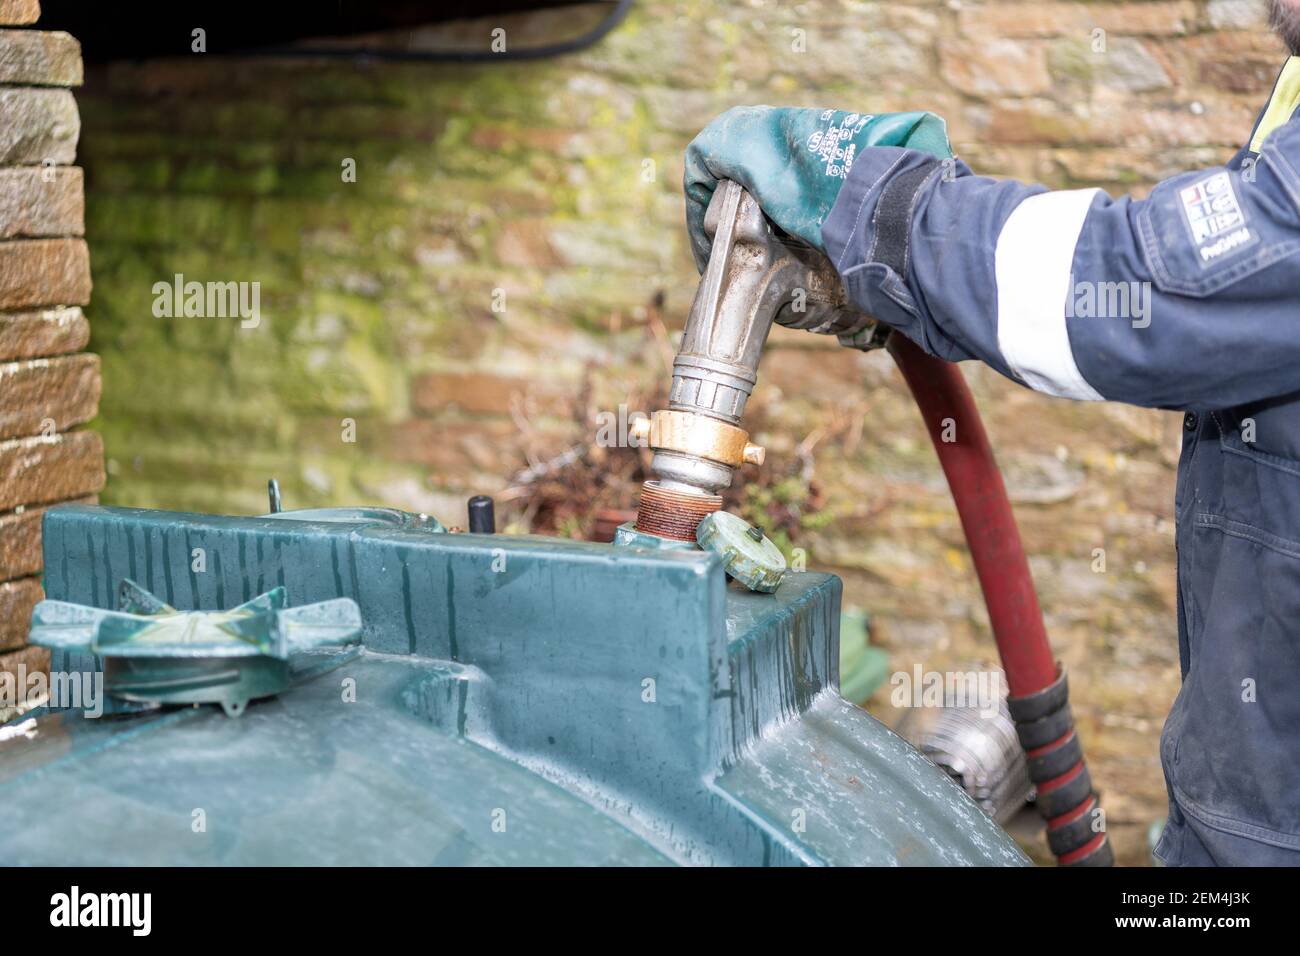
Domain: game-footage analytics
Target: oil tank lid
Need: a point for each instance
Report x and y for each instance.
(164, 656)
(748, 554)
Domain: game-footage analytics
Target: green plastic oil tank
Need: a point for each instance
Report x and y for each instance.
(518, 700)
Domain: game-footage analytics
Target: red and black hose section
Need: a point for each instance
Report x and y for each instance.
(1038, 690)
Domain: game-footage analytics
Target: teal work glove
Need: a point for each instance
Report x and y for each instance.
(793, 161)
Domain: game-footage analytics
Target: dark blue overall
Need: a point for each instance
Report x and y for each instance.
(1188, 300)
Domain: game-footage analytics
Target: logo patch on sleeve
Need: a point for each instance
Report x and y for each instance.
(1215, 219)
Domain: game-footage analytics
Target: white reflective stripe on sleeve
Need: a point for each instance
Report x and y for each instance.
(1033, 266)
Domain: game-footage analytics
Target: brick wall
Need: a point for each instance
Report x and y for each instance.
(48, 385)
(500, 268)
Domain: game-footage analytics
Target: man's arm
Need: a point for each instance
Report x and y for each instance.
(1187, 299)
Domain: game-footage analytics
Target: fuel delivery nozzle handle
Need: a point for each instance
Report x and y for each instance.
(753, 277)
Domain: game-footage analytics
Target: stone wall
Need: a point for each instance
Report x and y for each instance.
(48, 385)
(509, 261)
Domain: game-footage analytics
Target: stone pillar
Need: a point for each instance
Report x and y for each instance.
(49, 386)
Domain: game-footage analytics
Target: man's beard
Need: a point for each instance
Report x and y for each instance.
(1284, 18)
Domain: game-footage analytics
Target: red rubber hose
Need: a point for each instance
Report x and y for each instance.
(949, 411)
(977, 489)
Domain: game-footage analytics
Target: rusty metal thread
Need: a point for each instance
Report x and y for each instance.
(673, 514)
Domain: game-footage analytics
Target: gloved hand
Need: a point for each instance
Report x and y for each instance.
(793, 161)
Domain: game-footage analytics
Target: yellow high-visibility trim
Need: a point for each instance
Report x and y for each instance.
(1282, 106)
